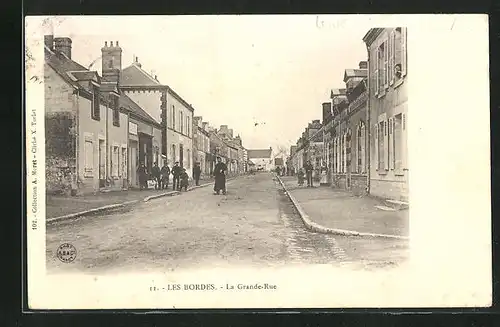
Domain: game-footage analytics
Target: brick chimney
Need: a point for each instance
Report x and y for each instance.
(49, 41)
(231, 133)
(205, 126)
(327, 111)
(63, 45)
(111, 56)
(363, 65)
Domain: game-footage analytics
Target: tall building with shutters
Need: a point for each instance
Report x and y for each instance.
(346, 132)
(388, 114)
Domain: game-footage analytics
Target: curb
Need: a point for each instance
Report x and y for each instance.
(120, 205)
(311, 225)
(90, 211)
(151, 197)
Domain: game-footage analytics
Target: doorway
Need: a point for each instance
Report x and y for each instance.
(181, 155)
(102, 164)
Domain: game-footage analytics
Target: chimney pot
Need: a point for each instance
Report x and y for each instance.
(105, 43)
(63, 45)
(116, 43)
(111, 43)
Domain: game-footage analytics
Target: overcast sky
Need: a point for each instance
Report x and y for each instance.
(235, 70)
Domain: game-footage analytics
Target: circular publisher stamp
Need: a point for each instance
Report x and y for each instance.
(66, 252)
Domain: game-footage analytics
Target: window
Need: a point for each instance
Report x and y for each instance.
(115, 162)
(173, 117)
(397, 143)
(89, 158)
(172, 154)
(381, 145)
(124, 163)
(181, 122)
(397, 60)
(96, 106)
(116, 112)
(188, 125)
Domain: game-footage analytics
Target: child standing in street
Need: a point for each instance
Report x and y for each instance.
(184, 179)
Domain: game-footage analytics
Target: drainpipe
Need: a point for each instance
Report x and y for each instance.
(76, 98)
(368, 129)
(127, 151)
(107, 142)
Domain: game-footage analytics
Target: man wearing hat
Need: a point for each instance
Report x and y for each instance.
(176, 174)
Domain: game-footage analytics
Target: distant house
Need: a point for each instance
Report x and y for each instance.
(278, 162)
(262, 158)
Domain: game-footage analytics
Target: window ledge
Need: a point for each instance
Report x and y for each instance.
(381, 94)
(382, 171)
(96, 118)
(398, 82)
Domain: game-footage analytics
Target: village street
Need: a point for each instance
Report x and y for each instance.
(255, 224)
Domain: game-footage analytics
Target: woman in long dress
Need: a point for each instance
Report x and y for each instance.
(220, 176)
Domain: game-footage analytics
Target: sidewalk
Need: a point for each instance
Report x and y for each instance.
(58, 206)
(339, 209)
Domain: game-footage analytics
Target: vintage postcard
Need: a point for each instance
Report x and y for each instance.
(275, 161)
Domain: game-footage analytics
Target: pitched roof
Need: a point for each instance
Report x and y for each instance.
(259, 153)
(134, 75)
(355, 73)
(135, 109)
(85, 75)
(62, 65)
(337, 92)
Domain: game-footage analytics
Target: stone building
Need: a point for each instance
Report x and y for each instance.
(86, 126)
(167, 108)
(347, 132)
(261, 158)
(388, 118)
(201, 144)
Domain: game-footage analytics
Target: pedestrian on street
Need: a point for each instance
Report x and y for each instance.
(176, 173)
(278, 171)
(142, 173)
(300, 176)
(155, 172)
(197, 173)
(184, 178)
(220, 176)
(308, 167)
(165, 175)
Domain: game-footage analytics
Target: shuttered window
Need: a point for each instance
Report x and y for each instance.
(403, 52)
(376, 146)
(404, 141)
(363, 148)
(124, 163)
(398, 144)
(89, 158)
(391, 143)
(386, 64)
(392, 43)
(386, 145)
(376, 73)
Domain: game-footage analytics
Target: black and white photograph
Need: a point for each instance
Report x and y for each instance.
(241, 161)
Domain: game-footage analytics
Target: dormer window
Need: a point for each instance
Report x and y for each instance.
(116, 111)
(96, 109)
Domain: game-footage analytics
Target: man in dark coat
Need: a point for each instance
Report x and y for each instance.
(197, 173)
(176, 173)
(308, 167)
(142, 173)
(184, 178)
(220, 176)
(165, 175)
(155, 172)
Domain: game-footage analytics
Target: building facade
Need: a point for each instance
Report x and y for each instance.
(388, 118)
(86, 127)
(347, 139)
(261, 158)
(168, 109)
(201, 144)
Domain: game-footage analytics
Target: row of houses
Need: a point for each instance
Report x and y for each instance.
(361, 142)
(100, 128)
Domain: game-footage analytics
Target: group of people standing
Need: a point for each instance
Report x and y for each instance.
(180, 178)
(307, 170)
